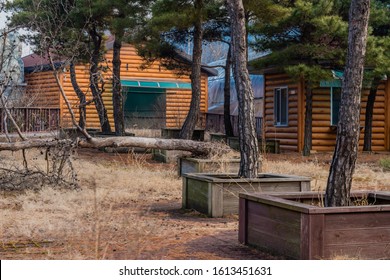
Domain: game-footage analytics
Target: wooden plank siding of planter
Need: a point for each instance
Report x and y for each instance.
(284, 225)
(216, 194)
(177, 100)
(323, 134)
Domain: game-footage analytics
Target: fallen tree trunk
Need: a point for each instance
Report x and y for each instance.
(204, 148)
(33, 143)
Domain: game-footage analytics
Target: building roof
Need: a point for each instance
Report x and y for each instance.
(182, 55)
(34, 62)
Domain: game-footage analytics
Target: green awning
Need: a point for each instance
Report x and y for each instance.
(154, 84)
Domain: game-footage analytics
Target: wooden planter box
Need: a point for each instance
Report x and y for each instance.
(168, 156)
(216, 195)
(173, 133)
(218, 137)
(291, 224)
(197, 165)
(270, 146)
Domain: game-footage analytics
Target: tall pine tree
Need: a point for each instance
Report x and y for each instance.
(174, 23)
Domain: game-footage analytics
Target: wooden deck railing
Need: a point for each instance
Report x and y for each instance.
(30, 119)
(215, 123)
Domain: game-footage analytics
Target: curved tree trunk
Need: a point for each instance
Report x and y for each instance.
(188, 127)
(307, 141)
(94, 82)
(81, 96)
(249, 163)
(117, 98)
(348, 129)
(369, 113)
(226, 101)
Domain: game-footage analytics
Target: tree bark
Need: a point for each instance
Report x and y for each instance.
(188, 127)
(196, 147)
(117, 98)
(249, 163)
(81, 96)
(94, 81)
(348, 129)
(226, 101)
(307, 141)
(367, 145)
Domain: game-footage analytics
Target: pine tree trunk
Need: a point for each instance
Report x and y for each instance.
(249, 163)
(367, 145)
(226, 101)
(188, 127)
(117, 98)
(348, 129)
(307, 141)
(94, 82)
(81, 96)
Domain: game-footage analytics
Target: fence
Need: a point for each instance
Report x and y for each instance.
(215, 123)
(30, 119)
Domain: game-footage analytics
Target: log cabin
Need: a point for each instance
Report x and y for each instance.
(154, 96)
(284, 112)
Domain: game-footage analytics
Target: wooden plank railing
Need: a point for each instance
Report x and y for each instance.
(30, 119)
(215, 123)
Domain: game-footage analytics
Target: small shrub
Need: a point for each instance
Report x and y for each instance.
(385, 164)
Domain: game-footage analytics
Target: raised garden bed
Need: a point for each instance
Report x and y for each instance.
(218, 137)
(296, 226)
(173, 133)
(197, 165)
(216, 195)
(171, 156)
(270, 145)
(168, 156)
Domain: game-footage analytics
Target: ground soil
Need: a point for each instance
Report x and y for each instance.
(179, 234)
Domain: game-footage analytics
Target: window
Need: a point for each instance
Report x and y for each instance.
(281, 106)
(335, 97)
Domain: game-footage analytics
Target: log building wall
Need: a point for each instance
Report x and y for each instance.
(324, 135)
(43, 86)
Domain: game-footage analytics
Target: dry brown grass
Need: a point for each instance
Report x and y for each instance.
(107, 202)
(366, 176)
(112, 211)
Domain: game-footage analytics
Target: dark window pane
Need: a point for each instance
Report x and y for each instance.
(284, 107)
(281, 106)
(277, 106)
(336, 99)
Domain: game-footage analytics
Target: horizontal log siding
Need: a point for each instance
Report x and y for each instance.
(178, 104)
(324, 137)
(42, 90)
(287, 135)
(178, 100)
(82, 75)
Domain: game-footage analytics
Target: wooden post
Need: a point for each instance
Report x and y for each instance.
(243, 221)
(312, 236)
